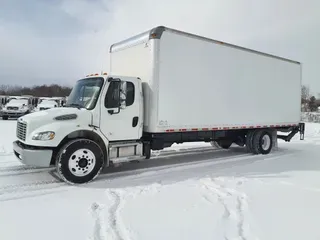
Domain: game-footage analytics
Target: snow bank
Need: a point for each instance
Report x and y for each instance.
(310, 117)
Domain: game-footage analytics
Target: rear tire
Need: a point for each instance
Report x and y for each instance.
(225, 144)
(5, 117)
(79, 161)
(262, 142)
(249, 141)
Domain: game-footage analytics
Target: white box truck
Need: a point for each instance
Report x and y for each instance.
(165, 87)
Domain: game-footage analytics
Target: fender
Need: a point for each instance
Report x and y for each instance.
(91, 134)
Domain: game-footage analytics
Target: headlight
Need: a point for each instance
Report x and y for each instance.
(43, 136)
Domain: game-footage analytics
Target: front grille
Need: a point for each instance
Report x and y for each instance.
(21, 130)
(12, 108)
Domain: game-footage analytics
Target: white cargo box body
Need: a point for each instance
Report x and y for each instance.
(191, 82)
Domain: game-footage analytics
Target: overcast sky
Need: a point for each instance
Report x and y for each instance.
(46, 41)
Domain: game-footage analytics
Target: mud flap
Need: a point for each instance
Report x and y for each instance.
(301, 130)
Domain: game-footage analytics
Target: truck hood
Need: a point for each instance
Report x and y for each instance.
(38, 119)
(46, 105)
(19, 105)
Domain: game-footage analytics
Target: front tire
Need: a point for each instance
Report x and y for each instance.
(79, 161)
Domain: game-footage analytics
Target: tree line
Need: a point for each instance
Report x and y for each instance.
(53, 90)
(309, 103)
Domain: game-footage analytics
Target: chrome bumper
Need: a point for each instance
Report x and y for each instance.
(13, 114)
(32, 157)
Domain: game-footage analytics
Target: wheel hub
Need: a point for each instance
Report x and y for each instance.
(82, 162)
(265, 142)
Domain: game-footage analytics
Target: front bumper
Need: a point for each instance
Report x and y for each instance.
(13, 114)
(32, 156)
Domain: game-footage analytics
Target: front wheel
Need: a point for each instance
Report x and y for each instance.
(79, 161)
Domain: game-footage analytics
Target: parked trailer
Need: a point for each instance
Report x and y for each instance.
(165, 87)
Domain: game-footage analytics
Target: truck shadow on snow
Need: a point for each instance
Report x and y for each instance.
(234, 162)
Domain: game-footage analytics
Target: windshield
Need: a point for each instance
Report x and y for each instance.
(19, 101)
(48, 102)
(85, 93)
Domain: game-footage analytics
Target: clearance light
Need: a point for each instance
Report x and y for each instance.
(105, 73)
(153, 35)
(97, 74)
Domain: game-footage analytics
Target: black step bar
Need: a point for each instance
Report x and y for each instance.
(300, 128)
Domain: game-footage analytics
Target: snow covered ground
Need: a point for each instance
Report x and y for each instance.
(189, 192)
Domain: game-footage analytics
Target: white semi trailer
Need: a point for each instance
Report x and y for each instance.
(165, 87)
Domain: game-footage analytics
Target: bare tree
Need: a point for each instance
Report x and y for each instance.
(312, 104)
(305, 93)
(53, 90)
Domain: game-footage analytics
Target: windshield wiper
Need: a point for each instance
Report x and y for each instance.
(75, 105)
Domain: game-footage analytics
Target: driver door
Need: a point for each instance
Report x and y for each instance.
(122, 123)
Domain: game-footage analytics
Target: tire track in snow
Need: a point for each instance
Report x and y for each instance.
(239, 199)
(240, 209)
(216, 190)
(118, 230)
(21, 169)
(99, 231)
(17, 173)
(113, 216)
(19, 191)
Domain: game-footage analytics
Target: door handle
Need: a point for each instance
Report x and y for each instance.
(135, 121)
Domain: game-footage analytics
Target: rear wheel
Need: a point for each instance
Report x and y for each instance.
(249, 141)
(262, 142)
(5, 117)
(79, 161)
(225, 144)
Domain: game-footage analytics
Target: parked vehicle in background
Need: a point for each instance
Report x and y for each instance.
(60, 100)
(165, 87)
(17, 106)
(46, 103)
(3, 101)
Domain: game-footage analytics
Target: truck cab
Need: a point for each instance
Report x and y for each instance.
(102, 122)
